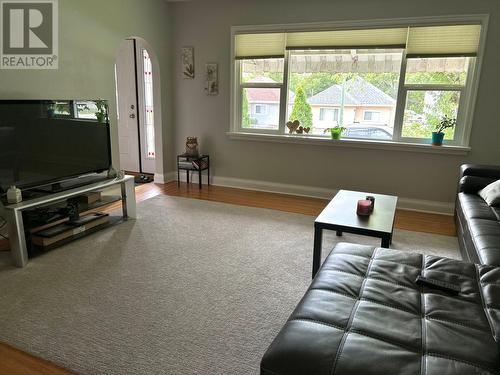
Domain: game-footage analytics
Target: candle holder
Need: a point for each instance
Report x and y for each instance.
(364, 207)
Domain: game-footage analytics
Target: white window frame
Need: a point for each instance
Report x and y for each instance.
(465, 106)
(467, 97)
(258, 85)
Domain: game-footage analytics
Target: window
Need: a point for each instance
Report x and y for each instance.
(433, 88)
(260, 109)
(261, 83)
(148, 105)
(371, 116)
(330, 115)
(392, 83)
(351, 80)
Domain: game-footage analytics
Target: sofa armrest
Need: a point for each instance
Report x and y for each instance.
(488, 171)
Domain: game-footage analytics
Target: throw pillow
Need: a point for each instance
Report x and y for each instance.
(491, 193)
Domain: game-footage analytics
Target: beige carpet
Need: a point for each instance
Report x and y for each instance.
(191, 287)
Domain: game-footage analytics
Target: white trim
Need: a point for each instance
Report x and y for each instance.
(170, 176)
(410, 204)
(159, 178)
(351, 143)
(421, 205)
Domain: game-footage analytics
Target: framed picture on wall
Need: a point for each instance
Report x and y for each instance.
(187, 57)
(212, 78)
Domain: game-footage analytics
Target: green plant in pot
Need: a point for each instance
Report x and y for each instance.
(102, 111)
(445, 123)
(336, 131)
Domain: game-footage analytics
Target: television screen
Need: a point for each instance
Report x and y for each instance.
(45, 141)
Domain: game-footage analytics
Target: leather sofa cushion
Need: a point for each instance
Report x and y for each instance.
(490, 282)
(364, 314)
(474, 207)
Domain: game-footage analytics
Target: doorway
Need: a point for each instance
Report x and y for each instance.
(139, 112)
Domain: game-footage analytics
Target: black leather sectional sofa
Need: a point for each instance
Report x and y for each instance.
(478, 225)
(365, 313)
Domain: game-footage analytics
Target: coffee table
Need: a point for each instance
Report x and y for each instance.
(340, 215)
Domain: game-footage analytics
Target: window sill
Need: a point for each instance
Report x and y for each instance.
(351, 143)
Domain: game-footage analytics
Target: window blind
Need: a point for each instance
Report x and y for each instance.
(392, 37)
(457, 40)
(420, 41)
(267, 45)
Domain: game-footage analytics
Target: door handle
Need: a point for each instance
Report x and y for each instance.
(131, 115)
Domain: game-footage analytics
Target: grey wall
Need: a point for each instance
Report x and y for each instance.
(90, 32)
(206, 26)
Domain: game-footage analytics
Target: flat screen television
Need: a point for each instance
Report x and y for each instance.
(43, 142)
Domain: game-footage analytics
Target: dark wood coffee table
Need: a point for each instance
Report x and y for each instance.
(340, 215)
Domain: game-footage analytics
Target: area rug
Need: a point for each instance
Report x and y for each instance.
(190, 287)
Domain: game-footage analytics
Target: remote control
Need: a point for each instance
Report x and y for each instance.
(438, 284)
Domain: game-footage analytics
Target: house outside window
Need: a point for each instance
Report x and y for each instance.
(380, 83)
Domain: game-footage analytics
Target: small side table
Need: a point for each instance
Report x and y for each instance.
(193, 163)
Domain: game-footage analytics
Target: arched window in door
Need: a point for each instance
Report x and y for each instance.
(148, 105)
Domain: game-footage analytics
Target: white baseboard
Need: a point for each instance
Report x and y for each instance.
(159, 178)
(171, 176)
(410, 204)
(274, 187)
(421, 205)
(164, 178)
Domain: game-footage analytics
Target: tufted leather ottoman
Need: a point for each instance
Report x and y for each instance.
(364, 314)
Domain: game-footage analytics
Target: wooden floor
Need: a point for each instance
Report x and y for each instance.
(408, 220)
(15, 362)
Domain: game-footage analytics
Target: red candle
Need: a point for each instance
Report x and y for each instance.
(364, 207)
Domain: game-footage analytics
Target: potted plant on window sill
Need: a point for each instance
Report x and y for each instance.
(438, 135)
(335, 132)
(101, 111)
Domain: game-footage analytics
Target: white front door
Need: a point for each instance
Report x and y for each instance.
(134, 90)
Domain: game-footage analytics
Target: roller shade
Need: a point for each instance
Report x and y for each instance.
(393, 37)
(459, 40)
(259, 45)
(419, 41)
